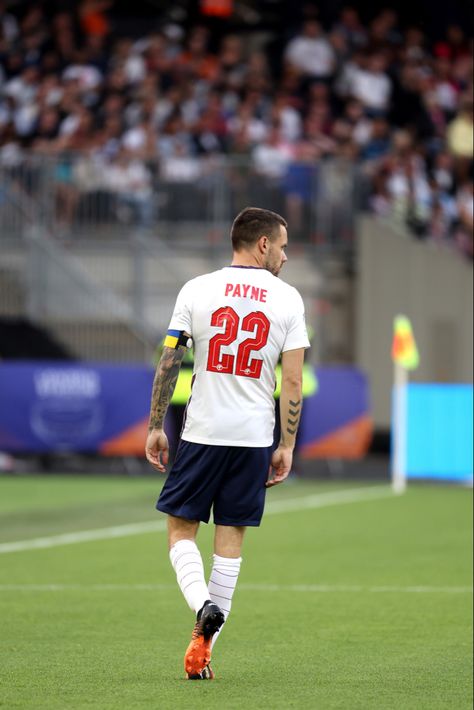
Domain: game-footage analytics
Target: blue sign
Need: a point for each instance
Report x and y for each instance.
(440, 431)
(103, 408)
(66, 406)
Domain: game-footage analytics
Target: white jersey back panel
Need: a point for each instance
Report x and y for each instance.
(241, 319)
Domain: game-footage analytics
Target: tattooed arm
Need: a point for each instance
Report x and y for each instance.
(166, 376)
(291, 400)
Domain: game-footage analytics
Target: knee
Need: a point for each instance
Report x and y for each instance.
(181, 529)
(228, 541)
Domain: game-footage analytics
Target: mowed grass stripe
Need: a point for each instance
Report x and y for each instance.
(302, 588)
(285, 649)
(84, 536)
(320, 500)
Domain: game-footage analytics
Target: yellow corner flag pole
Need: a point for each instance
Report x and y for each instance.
(405, 357)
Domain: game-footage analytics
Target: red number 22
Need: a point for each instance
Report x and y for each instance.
(256, 323)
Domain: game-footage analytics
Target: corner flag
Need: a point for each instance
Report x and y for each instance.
(404, 349)
(405, 357)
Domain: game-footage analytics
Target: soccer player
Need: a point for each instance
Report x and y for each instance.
(240, 319)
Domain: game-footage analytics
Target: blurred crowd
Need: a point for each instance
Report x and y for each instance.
(392, 101)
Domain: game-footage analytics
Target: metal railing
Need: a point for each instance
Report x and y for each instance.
(40, 279)
(100, 265)
(183, 200)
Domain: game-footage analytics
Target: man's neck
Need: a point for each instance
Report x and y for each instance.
(245, 258)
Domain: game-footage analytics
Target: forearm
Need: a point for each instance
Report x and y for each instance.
(164, 384)
(291, 400)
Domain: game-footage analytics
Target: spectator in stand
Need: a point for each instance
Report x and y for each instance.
(317, 130)
(442, 213)
(130, 180)
(407, 183)
(454, 45)
(300, 184)
(173, 132)
(23, 87)
(210, 129)
(181, 166)
(46, 128)
(383, 32)
(93, 17)
(88, 76)
(288, 118)
(443, 172)
(271, 158)
(431, 121)
(64, 37)
(408, 109)
(130, 59)
(9, 29)
(380, 200)
(11, 154)
(378, 144)
(372, 86)
(460, 140)
(395, 103)
(246, 123)
(340, 49)
(232, 65)
(258, 75)
(361, 125)
(460, 130)
(310, 54)
(342, 86)
(109, 139)
(196, 60)
(446, 89)
(465, 211)
(351, 28)
(139, 140)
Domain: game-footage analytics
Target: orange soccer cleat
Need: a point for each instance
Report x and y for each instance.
(206, 674)
(198, 654)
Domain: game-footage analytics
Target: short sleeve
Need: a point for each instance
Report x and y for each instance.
(297, 335)
(182, 314)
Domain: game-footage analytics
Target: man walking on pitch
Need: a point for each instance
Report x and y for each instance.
(240, 319)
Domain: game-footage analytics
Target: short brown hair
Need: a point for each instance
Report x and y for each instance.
(252, 223)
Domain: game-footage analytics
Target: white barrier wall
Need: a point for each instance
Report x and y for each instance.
(433, 286)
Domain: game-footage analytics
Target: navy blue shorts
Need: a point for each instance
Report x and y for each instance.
(229, 479)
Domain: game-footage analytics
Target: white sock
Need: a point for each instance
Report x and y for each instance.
(225, 571)
(187, 563)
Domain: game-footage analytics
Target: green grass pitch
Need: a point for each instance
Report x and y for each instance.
(365, 604)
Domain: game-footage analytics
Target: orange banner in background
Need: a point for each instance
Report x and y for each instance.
(217, 8)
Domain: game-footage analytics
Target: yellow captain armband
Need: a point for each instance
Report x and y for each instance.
(177, 338)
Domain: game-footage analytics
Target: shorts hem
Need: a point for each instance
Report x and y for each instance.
(180, 513)
(240, 523)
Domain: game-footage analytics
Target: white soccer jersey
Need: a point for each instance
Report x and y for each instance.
(241, 319)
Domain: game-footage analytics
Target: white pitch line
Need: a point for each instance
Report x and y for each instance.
(318, 500)
(322, 500)
(39, 543)
(305, 588)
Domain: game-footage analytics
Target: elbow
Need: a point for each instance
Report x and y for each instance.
(293, 383)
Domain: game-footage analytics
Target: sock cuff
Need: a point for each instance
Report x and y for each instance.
(227, 561)
(182, 546)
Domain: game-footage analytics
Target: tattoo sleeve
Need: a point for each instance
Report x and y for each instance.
(164, 383)
(293, 417)
(290, 413)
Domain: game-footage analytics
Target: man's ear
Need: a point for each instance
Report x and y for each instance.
(263, 244)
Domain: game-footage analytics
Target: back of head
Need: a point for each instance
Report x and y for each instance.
(251, 224)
